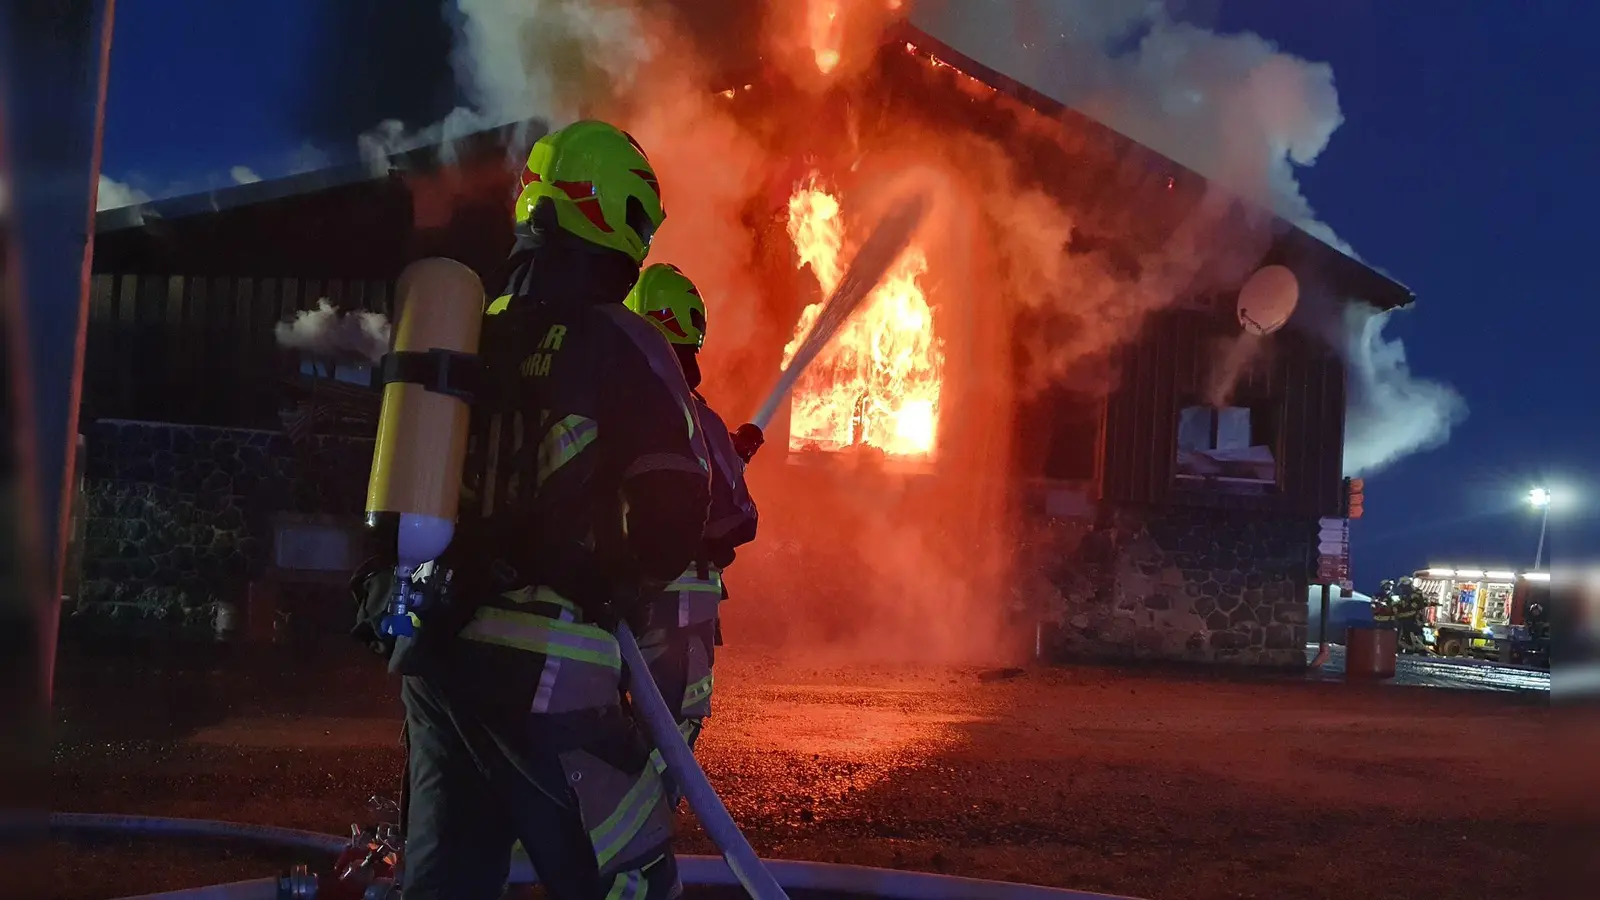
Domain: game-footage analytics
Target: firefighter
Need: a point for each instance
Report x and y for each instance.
(682, 631)
(1409, 604)
(1383, 605)
(590, 486)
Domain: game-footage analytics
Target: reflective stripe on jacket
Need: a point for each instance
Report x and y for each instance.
(688, 600)
(582, 666)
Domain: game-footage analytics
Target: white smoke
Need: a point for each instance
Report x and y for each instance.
(114, 194)
(1232, 107)
(1236, 109)
(521, 60)
(1392, 414)
(327, 333)
(554, 61)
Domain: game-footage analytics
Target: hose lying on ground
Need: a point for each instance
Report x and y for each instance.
(707, 871)
(153, 826)
(690, 779)
(254, 889)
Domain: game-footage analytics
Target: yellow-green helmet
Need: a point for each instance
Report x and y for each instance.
(667, 297)
(603, 186)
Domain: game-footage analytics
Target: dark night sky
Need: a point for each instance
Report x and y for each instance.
(1465, 167)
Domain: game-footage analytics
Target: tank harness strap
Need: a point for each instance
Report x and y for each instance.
(539, 634)
(439, 371)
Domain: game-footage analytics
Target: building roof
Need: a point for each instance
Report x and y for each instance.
(1296, 244)
(424, 158)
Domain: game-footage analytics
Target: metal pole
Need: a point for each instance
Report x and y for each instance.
(1538, 555)
(53, 71)
(1327, 604)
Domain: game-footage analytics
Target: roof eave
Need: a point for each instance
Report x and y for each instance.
(425, 158)
(1369, 284)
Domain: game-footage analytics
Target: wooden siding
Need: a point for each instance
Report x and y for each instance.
(200, 350)
(1167, 369)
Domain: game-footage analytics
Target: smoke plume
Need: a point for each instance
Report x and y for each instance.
(114, 194)
(1233, 107)
(553, 61)
(1393, 414)
(521, 60)
(137, 191)
(1230, 362)
(328, 333)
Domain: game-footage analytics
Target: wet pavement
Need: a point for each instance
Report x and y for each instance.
(1147, 784)
(1441, 672)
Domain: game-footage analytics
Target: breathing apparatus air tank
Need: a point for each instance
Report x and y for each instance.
(428, 378)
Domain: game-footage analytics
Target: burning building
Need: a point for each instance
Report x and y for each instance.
(1050, 423)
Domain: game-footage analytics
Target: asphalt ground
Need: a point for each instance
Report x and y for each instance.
(1177, 784)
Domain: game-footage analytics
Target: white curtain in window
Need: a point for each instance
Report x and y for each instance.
(1194, 428)
(1233, 428)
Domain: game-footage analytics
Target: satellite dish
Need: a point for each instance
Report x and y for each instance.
(1267, 299)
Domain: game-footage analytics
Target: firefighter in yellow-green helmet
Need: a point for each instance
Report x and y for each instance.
(588, 488)
(682, 632)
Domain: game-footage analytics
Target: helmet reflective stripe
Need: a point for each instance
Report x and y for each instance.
(668, 322)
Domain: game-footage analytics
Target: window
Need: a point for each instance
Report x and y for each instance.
(1229, 447)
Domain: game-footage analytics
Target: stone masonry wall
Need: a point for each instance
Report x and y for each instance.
(1183, 584)
(185, 511)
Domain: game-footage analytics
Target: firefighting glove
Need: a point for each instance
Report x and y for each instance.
(469, 570)
(719, 553)
(433, 586)
(624, 603)
(747, 440)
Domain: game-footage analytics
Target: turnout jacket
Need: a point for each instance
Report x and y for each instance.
(588, 470)
(732, 520)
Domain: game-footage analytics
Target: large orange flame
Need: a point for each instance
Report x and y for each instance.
(877, 382)
(824, 31)
(827, 21)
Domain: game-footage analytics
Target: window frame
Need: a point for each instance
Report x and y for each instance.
(1254, 401)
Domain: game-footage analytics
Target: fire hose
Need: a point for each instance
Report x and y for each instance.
(707, 871)
(690, 778)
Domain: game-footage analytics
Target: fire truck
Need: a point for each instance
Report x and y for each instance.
(1501, 615)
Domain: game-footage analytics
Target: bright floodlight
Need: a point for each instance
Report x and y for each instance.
(1539, 497)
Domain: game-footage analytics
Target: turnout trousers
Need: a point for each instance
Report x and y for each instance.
(522, 739)
(679, 644)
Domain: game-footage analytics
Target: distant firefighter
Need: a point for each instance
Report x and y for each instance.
(681, 635)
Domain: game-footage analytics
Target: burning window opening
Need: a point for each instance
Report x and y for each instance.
(877, 383)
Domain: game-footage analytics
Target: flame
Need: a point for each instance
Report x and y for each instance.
(877, 382)
(935, 62)
(824, 33)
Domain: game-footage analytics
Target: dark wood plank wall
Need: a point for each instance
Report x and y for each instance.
(1169, 366)
(200, 350)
